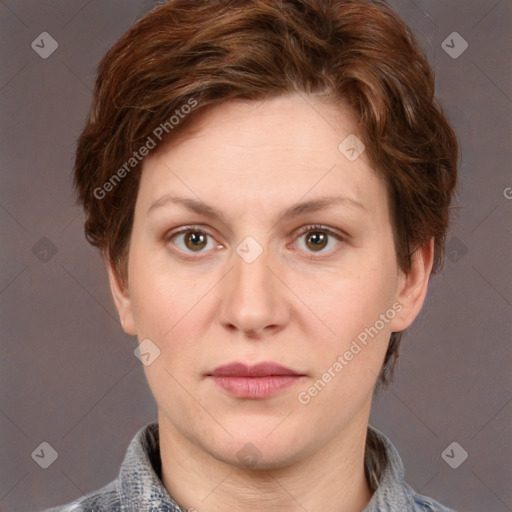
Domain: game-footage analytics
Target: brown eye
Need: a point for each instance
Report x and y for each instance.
(195, 240)
(320, 240)
(192, 240)
(317, 240)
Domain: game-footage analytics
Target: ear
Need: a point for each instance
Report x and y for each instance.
(413, 286)
(122, 300)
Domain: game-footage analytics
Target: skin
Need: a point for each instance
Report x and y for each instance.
(297, 304)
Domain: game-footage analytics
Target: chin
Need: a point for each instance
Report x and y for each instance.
(262, 447)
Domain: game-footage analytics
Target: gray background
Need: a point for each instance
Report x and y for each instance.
(68, 375)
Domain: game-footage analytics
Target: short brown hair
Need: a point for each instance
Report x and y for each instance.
(357, 51)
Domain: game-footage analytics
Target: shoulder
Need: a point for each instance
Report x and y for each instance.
(102, 500)
(385, 473)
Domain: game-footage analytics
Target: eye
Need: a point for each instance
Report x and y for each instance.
(191, 240)
(318, 238)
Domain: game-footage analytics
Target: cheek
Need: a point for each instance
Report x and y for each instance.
(355, 301)
(162, 297)
(352, 306)
(347, 363)
(166, 311)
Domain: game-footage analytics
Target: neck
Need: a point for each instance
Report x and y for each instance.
(331, 479)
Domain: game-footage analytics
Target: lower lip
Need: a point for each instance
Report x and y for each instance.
(256, 387)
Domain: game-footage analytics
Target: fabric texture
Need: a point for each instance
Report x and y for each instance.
(138, 487)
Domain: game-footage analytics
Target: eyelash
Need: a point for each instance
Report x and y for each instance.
(313, 228)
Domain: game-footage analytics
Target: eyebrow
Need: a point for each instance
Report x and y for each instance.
(201, 208)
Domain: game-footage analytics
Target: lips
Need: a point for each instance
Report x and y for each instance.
(265, 369)
(259, 381)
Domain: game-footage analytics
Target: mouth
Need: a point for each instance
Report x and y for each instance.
(258, 381)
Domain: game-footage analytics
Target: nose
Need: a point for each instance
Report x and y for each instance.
(253, 299)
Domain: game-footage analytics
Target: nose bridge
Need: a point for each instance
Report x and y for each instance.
(252, 265)
(251, 301)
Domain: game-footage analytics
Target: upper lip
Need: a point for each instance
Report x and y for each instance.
(263, 369)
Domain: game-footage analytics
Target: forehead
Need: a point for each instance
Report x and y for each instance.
(265, 152)
(312, 122)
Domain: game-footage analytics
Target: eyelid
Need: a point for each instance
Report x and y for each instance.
(184, 229)
(319, 227)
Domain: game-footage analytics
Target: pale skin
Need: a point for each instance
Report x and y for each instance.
(297, 304)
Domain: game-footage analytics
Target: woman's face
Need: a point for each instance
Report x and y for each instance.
(265, 281)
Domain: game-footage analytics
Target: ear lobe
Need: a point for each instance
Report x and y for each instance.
(122, 300)
(413, 287)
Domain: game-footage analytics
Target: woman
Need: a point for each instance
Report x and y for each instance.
(270, 184)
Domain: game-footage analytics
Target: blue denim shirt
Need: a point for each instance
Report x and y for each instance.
(138, 487)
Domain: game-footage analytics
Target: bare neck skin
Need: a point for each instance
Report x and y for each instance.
(331, 479)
